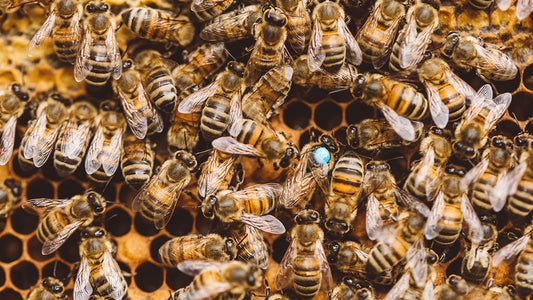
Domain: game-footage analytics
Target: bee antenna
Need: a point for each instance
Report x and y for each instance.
(242, 240)
(515, 118)
(471, 163)
(203, 152)
(229, 53)
(55, 269)
(338, 91)
(395, 158)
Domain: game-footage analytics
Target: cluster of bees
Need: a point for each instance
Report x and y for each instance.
(217, 98)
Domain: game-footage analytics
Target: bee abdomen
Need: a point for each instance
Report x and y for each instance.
(382, 258)
(524, 271)
(480, 4)
(407, 102)
(215, 117)
(66, 44)
(253, 251)
(250, 133)
(52, 223)
(347, 175)
(102, 285)
(481, 191)
(453, 100)
(161, 89)
(394, 61)
(136, 174)
(101, 65)
(65, 166)
(146, 22)
(307, 275)
(333, 46)
(521, 202)
(451, 224)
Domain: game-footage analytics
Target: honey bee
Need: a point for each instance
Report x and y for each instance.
(523, 7)
(374, 134)
(103, 156)
(268, 93)
(197, 247)
(269, 50)
(63, 25)
(40, 137)
(488, 62)
(233, 26)
(522, 142)
(249, 206)
(483, 4)
(183, 133)
(217, 173)
(414, 38)
(232, 279)
(425, 176)
(447, 93)
(298, 23)
(99, 56)
(472, 131)
(74, 137)
(157, 199)
(12, 103)
(332, 42)
(205, 10)
(478, 257)
(350, 288)
(159, 25)
(222, 100)
(455, 287)
(63, 217)
(345, 193)
(348, 257)
(254, 139)
(137, 161)
(143, 119)
(10, 193)
(50, 289)
(157, 79)
(376, 36)
(99, 272)
(399, 103)
(251, 245)
(305, 264)
(343, 79)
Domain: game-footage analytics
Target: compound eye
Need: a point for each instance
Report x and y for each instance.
(57, 289)
(343, 226)
(91, 197)
(16, 88)
(99, 233)
(498, 142)
(371, 166)
(520, 141)
(127, 64)
(314, 216)
(299, 219)
(251, 280)
(470, 151)
(91, 8)
(212, 200)
(190, 163)
(229, 243)
(450, 170)
(98, 209)
(437, 130)
(85, 234)
(46, 283)
(104, 7)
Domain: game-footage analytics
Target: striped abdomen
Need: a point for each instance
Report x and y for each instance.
(173, 251)
(183, 133)
(298, 26)
(450, 223)
(47, 138)
(374, 42)
(52, 223)
(480, 4)
(158, 200)
(66, 42)
(251, 246)
(521, 202)
(215, 115)
(101, 284)
(453, 100)
(137, 163)
(334, 49)
(419, 190)
(307, 275)
(347, 175)
(482, 189)
(251, 133)
(258, 201)
(204, 62)
(160, 88)
(148, 23)
(200, 285)
(383, 258)
(394, 61)
(503, 70)
(406, 101)
(100, 63)
(524, 270)
(218, 8)
(99, 176)
(388, 208)
(64, 165)
(270, 58)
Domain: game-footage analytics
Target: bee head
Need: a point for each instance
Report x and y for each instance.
(464, 150)
(330, 143)
(14, 185)
(328, 12)
(20, 92)
(231, 248)
(208, 207)
(237, 68)
(458, 284)
(53, 285)
(352, 136)
(66, 8)
(332, 250)
(450, 44)
(392, 9)
(275, 17)
(187, 158)
(96, 202)
(425, 15)
(307, 216)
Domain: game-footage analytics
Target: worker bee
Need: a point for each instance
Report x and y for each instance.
(298, 23)
(267, 94)
(217, 173)
(269, 50)
(447, 93)
(332, 42)
(348, 257)
(478, 256)
(483, 4)
(50, 289)
(12, 103)
(399, 103)
(212, 279)
(522, 142)
(63, 217)
(350, 288)
(143, 119)
(157, 199)
(376, 134)
(40, 137)
(159, 25)
(343, 79)
(425, 176)
(99, 272)
(157, 80)
(137, 161)
(455, 287)
(205, 10)
(250, 206)
(63, 25)
(251, 245)
(254, 139)
(305, 264)
(414, 38)
(478, 120)
(233, 26)
(376, 36)
(183, 133)
(103, 156)
(197, 247)
(222, 100)
(10, 193)
(488, 62)
(523, 7)
(345, 193)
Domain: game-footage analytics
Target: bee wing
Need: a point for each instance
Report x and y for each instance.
(327, 279)
(255, 243)
(111, 160)
(195, 101)
(409, 201)
(439, 111)
(7, 141)
(46, 203)
(298, 44)
(195, 267)
(315, 54)
(202, 5)
(42, 33)
(429, 291)
(432, 229)
(163, 212)
(228, 144)
(505, 186)
(266, 223)
(136, 119)
(44, 151)
(284, 275)
(216, 33)
(92, 161)
(390, 34)
(297, 185)
(274, 189)
(523, 8)
(113, 52)
(57, 239)
(74, 138)
(417, 262)
(492, 62)
(374, 222)
(471, 218)
(399, 289)
(113, 274)
(425, 165)
(235, 114)
(503, 4)
(320, 175)
(81, 66)
(353, 52)
(478, 102)
(460, 85)
(82, 286)
(474, 173)
(136, 204)
(212, 291)
(36, 131)
(414, 45)
(502, 103)
(402, 126)
(510, 250)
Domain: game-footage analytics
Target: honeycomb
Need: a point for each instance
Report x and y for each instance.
(21, 264)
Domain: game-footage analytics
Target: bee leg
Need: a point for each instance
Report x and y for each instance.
(118, 26)
(261, 165)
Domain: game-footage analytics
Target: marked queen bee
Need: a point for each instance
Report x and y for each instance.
(12, 103)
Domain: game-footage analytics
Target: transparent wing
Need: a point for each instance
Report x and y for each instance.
(460, 85)
(429, 291)
(284, 275)
(266, 223)
(425, 165)
(82, 286)
(111, 160)
(45, 149)
(47, 203)
(399, 289)
(228, 144)
(56, 240)
(320, 175)
(432, 228)
(381, 58)
(113, 274)
(506, 185)
(297, 185)
(478, 102)
(136, 119)
(523, 8)
(510, 250)
(327, 278)
(410, 201)
(202, 5)
(374, 222)
(502, 103)
(7, 141)
(235, 114)
(491, 62)
(417, 262)
(273, 189)
(215, 32)
(498, 202)
(439, 110)
(503, 4)
(42, 33)
(353, 52)
(36, 132)
(81, 66)
(315, 54)
(136, 204)
(113, 53)
(195, 101)
(212, 291)
(195, 267)
(474, 173)
(298, 44)
(415, 44)
(471, 218)
(164, 213)
(402, 126)
(74, 138)
(92, 162)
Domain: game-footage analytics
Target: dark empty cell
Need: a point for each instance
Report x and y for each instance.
(126, 194)
(10, 294)
(522, 106)
(39, 188)
(454, 267)
(34, 249)
(11, 248)
(297, 115)
(2, 276)
(70, 251)
(340, 135)
(156, 244)
(144, 227)
(24, 222)
(203, 224)
(279, 247)
(508, 128)
(328, 115)
(343, 95)
(313, 94)
(177, 280)
(358, 111)
(49, 171)
(529, 127)
(24, 275)
(56, 269)
(305, 138)
(528, 77)
(149, 277)
(3, 222)
(69, 188)
(508, 86)
(18, 170)
(126, 271)
(117, 221)
(180, 223)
